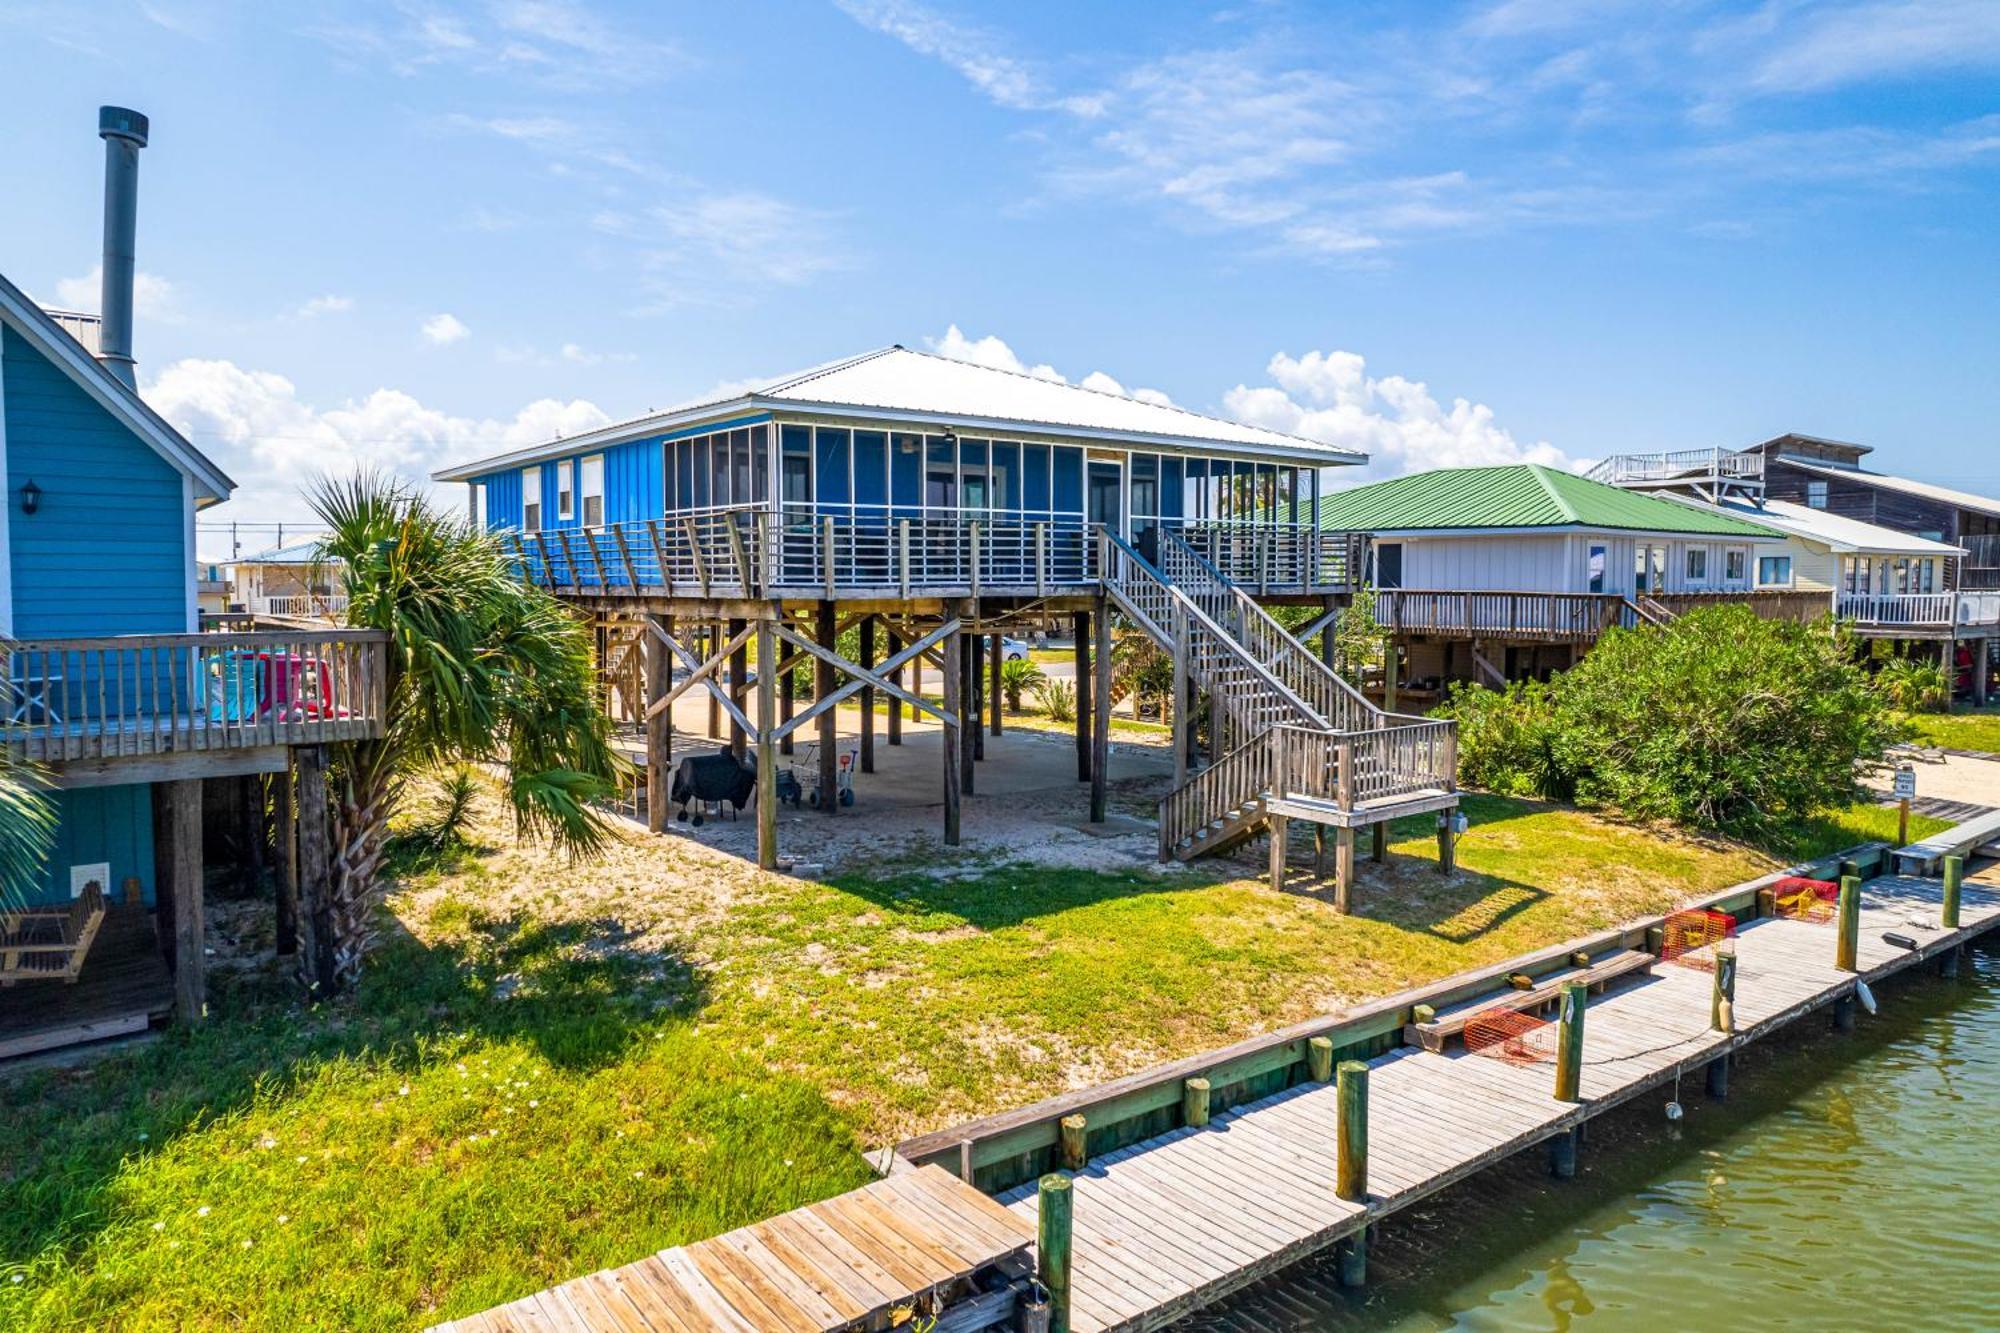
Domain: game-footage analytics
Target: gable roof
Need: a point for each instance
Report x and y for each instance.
(1843, 535)
(1516, 496)
(47, 337)
(1963, 499)
(926, 389)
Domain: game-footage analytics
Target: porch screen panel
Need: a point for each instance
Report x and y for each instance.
(974, 489)
(760, 463)
(684, 474)
(906, 474)
(1035, 479)
(871, 504)
(698, 454)
(740, 491)
(1145, 497)
(1067, 543)
(1007, 475)
(940, 473)
(718, 469)
(1173, 488)
(831, 447)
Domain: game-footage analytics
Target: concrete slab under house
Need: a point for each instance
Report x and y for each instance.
(929, 507)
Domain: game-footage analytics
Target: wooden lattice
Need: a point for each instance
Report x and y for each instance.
(1690, 937)
(1510, 1035)
(1800, 899)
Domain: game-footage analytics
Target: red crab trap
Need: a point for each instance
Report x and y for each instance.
(1689, 938)
(1511, 1035)
(1796, 898)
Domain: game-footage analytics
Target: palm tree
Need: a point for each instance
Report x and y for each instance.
(482, 668)
(27, 825)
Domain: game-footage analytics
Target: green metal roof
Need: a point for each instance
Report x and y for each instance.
(1522, 495)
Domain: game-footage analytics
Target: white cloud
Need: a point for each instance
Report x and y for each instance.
(257, 429)
(444, 329)
(709, 247)
(994, 352)
(561, 45)
(328, 304)
(1831, 46)
(153, 297)
(1329, 396)
(975, 54)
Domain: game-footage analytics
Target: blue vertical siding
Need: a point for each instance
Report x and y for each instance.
(503, 499)
(102, 824)
(106, 553)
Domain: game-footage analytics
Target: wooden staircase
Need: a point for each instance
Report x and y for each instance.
(1290, 732)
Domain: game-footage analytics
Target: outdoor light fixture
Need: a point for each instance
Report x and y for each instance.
(31, 497)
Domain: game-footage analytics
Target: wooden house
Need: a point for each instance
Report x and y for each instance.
(1504, 573)
(935, 505)
(107, 685)
(291, 581)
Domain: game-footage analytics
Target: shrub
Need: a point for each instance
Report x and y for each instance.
(1913, 686)
(1017, 676)
(1720, 720)
(1058, 700)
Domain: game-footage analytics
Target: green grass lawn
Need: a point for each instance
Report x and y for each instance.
(553, 1068)
(1964, 729)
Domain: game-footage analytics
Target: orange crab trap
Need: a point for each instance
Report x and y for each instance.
(1690, 937)
(1797, 898)
(1510, 1035)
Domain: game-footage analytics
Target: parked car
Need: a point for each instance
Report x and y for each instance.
(1013, 650)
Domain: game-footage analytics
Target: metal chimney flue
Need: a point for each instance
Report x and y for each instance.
(124, 134)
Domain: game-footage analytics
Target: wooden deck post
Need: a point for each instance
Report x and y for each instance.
(316, 968)
(1569, 1043)
(1327, 640)
(1848, 937)
(183, 827)
(1392, 668)
(787, 695)
(767, 749)
(1716, 1079)
(829, 732)
(1319, 852)
(1351, 1159)
(1052, 1249)
(1319, 1059)
(975, 693)
(1075, 1142)
(1343, 869)
(284, 812)
(712, 644)
(1194, 1102)
(1378, 850)
(995, 698)
(1447, 842)
(1954, 887)
(954, 720)
(1080, 654)
(1279, 833)
(867, 659)
(895, 723)
(250, 825)
(660, 725)
(1100, 718)
(969, 732)
(739, 680)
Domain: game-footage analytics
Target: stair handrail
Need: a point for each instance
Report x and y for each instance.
(1286, 644)
(1223, 785)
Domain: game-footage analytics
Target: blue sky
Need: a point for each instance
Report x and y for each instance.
(401, 233)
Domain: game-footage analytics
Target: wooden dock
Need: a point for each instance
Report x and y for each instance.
(1171, 1223)
(847, 1262)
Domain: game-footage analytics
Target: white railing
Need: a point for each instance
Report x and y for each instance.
(63, 699)
(1679, 465)
(306, 606)
(1914, 609)
(1272, 557)
(1978, 607)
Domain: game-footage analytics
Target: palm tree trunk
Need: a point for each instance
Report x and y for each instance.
(338, 906)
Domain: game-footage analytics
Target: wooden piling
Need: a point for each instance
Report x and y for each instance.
(1717, 1077)
(1351, 1150)
(1722, 1003)
(1280, 832)
(1052, 1249)
(969, 733)
(1447, 843)
(183, 824)
(1848, 936)
(1351, 1256)
(285, 815)
(895, 719)
(1562, 1154)
(996, 699)
(739, 680)
(1378, 840)
(1954, 883)
(1569, 1043)
(315, 865)
(660, 725)
(975, 690)
(1080, 654)
(867, 659)
(829, 732)
(1319, 1059)
(767, 747)
(1343, 869)
(1194, 1102)
(1100, 719)
(1075, 1142)
(954, 722)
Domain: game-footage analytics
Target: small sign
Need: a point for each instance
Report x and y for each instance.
(1906, 783)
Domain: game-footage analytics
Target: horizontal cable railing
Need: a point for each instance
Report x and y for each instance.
(112, 697)
(1273, 556)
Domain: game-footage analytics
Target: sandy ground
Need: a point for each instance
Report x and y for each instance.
(1944, 777)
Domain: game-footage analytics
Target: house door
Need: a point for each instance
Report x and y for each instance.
(1104, 501)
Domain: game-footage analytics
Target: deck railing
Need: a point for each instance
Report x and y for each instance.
(1556, 616)
(306, 605)
(828, 550)
(1769, 604)
(1404, 754)
(1920, 609)
(1679, 465)
(104, 698)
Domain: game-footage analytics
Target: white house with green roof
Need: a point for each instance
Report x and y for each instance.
(1528, 564)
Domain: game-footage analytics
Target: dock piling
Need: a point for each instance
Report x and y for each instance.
(1954, 881)
(1722, 1004)
(1319, 1059)
(1352, 1254)
(1194, 1102)
(1562, 1153)
(1052, 1252)
(1848, 938)
(1075, 1142)
(1351, 1153)
(1569, 1043)
(1718, 1077)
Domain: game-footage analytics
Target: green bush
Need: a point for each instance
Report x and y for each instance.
(1058, 700)
(1720, 720)
(1913, 686)
(1017, 676)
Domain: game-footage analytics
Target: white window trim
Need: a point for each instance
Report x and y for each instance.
(565, 491)
(1790, 573)
(532, 474)
(584, 493)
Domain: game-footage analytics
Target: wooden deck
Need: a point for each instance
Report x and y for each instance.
(123, 987)
(847, 1261)
(1174, 1222)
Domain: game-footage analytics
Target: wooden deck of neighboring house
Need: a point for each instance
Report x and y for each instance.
(123, 988)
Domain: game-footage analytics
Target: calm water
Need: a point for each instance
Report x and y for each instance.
(1848, 1183)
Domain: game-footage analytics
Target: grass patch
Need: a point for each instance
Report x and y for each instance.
(1967, 729)
(1838, 830)
(554, 1068)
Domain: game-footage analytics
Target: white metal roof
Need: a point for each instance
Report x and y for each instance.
(925, 389)
(1847, 535)
(48, 337)
(1965, 499)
